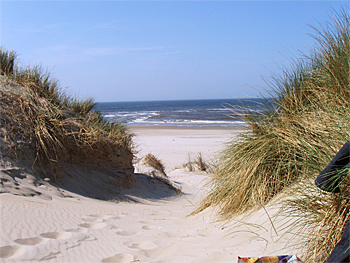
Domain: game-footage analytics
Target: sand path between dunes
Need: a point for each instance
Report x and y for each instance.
(52, 228)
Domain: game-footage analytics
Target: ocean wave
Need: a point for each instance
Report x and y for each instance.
(143, 121)
(178, 113)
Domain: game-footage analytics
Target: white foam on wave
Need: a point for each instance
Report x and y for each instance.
(145, 121)
(180, 117)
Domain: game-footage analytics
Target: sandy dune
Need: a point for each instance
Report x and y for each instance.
(45, 223)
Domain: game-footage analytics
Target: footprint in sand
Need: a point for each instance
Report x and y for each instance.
(80, 234)
(106, 217)
(151, 228)
(126, 233)
(145, 222)
(119, 258)
(160, 213)
(10, 251)
(56, 235)
(32, 241)
(31, 192)
(93, 219)
(77, 230)
(93, 225)
(144, 245)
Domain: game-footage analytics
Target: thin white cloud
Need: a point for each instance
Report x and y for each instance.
(31, 29)
(101, 51)
(63, 54)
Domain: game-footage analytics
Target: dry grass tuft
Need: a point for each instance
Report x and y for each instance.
(7, 62)
(154, 162)
(202, 166)
(166, 180)
(198, 164)
(159, 172)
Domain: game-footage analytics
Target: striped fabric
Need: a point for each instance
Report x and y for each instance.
(272, 259)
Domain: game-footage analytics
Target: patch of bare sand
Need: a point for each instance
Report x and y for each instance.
(46, 223)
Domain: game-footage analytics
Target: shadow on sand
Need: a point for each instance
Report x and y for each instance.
(101, 184)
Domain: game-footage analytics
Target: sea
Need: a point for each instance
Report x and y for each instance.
(189, 113)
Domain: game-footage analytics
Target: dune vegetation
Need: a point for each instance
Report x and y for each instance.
(290, 142)
(41, 123)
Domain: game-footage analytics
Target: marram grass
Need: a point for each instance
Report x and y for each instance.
(57, 127)
(291, 142)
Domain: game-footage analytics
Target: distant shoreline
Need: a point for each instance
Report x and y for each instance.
(174, 127)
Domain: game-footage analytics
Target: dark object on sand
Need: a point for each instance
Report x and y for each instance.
(328, 181)
(341, 252)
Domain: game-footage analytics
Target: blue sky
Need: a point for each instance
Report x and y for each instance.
(161, 50)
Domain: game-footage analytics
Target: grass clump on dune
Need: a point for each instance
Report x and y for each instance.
(198, 164)
(290, 143)
(154, 162)
(159, 173)
(54, 126)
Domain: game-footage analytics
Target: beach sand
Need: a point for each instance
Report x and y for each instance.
(43, 222)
